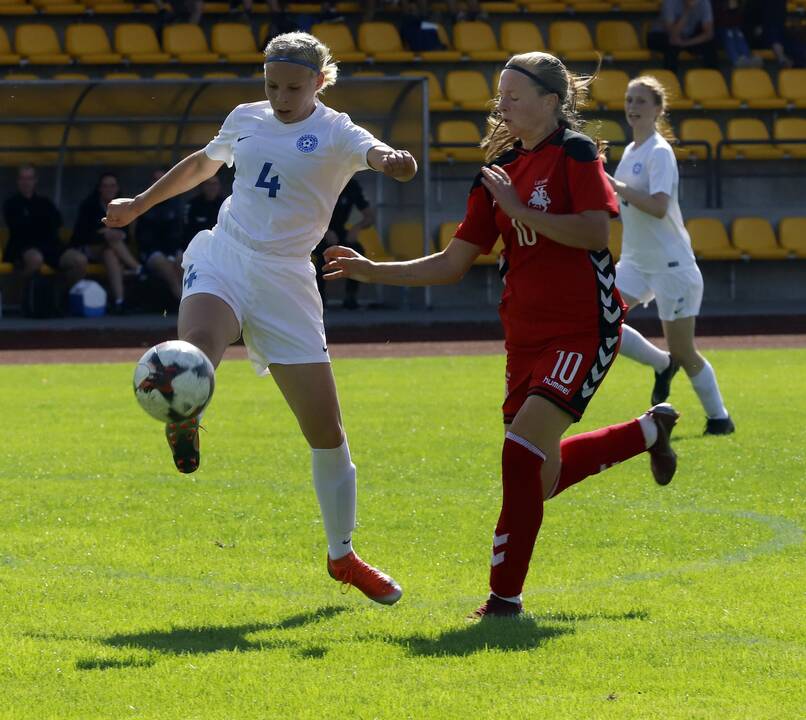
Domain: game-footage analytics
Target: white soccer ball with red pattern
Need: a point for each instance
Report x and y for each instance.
(174, 381)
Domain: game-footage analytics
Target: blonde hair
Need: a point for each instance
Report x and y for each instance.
(553, 77)
(661, 98)
(308, 51)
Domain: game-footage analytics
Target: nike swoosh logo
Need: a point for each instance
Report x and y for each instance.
(244, 137)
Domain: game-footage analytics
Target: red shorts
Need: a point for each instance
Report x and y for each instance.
(566, 370)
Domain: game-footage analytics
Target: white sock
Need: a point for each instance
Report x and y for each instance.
(707, 389)
(515, 599)
(636, 347)
(334, 482)
(650, 429)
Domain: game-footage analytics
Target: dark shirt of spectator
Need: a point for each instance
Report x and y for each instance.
(159, 230)
(88, 229)
(352, 196)
(33, 221)
(201, 212)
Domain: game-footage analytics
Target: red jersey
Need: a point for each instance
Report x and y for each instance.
(550, 289)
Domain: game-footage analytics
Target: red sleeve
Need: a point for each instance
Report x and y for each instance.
(590, 189)
(479, 226)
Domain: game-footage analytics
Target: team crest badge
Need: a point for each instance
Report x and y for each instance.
(540, 198)
(636, 169)
(307, 143)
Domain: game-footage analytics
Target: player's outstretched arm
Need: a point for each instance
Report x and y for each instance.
(442, 268)
(183, 176)
(397, 164)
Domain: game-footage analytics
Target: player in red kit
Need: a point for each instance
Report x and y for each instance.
(544, 190)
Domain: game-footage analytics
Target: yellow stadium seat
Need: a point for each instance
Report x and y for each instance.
(753, 87)
(521, 36)
(39, 45)
(609, 88)
(235, 42)
(477, 40)
(499, 7)
(436, 100)
(16, 7)
(447, 54)
(71, 76)
(749, 129)
(171, 75)
(122, 76)
(618, 40)
(446, 232)
(614, 242)
(492, 257)
(186, 42)
(792, 235)
(698, 129)
(460, 131)
(406, 240)
(112, 7)
(89, 45)
(58, 7)
(792, 86)
(571, 40)
(754, 237)
(373, 248)
(611, 132)
(137, 42)
(710, 241)
(791, 129)
(6, 56)
(546, 6)
(675, 98)
(468, 89)
(382, 41)
(339, 39)
(707, 89)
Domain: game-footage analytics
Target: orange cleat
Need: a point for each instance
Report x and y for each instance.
(183, 439)
(376, 585)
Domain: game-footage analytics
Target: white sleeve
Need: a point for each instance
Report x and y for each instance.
(221, 146)
(355, 142)
(662, 171)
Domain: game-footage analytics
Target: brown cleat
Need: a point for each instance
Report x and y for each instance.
(183, 439)
(495, 606)
(662, 459)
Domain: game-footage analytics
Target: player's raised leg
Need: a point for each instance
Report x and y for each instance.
(209, 323)
(310, 391)
(680, 337)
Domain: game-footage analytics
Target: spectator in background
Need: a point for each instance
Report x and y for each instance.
(417, 30)
(766, 28)
(33, 223)
(337, 234)
(180, 10)
(201, 212)
(685, 25)
(159, 240)
(728, 20)
(99, 243)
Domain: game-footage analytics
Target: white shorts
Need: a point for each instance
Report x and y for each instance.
(275, 299)
(677, 292)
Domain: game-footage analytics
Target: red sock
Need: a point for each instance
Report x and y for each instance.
(520, 518)
(589, 453)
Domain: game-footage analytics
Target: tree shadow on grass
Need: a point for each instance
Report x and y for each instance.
(209, 639)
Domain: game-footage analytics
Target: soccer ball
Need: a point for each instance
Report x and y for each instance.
(174, 381)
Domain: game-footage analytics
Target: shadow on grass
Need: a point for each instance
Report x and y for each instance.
(509, 634)
(209, 639)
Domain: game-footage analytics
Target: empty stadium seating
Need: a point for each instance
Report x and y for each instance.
(138, 44)
(39, 45)
(791, 128)
(460, 131)
(619, 41)
(521, 36)
(235, 43)
(792, 235)
(406, 240)
(187, 43)
(468, 89)
(755, 238)
(609, 88)
(710, 241)
(749, 129)
(477, 41)
(89, 45)
(381, 41)
(707, 88)
(339, 39)
(571, 40)
(754, 88)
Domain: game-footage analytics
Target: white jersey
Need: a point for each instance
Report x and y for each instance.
(288, 176)
(653, 244)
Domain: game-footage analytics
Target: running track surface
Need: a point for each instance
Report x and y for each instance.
(377, 350)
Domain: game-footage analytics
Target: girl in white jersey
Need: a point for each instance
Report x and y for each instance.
(252, 275)
(656, 258)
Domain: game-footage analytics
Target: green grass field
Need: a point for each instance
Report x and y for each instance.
(130, 591)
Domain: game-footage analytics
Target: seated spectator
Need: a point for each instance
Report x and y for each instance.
(468, 10)
(181, 10)
(766, 28)
(201, 212)
(159, 240)
(685, 25)
(99, 243)
(337, 234)
(416, 29)
(33, 223)
(728, 21)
